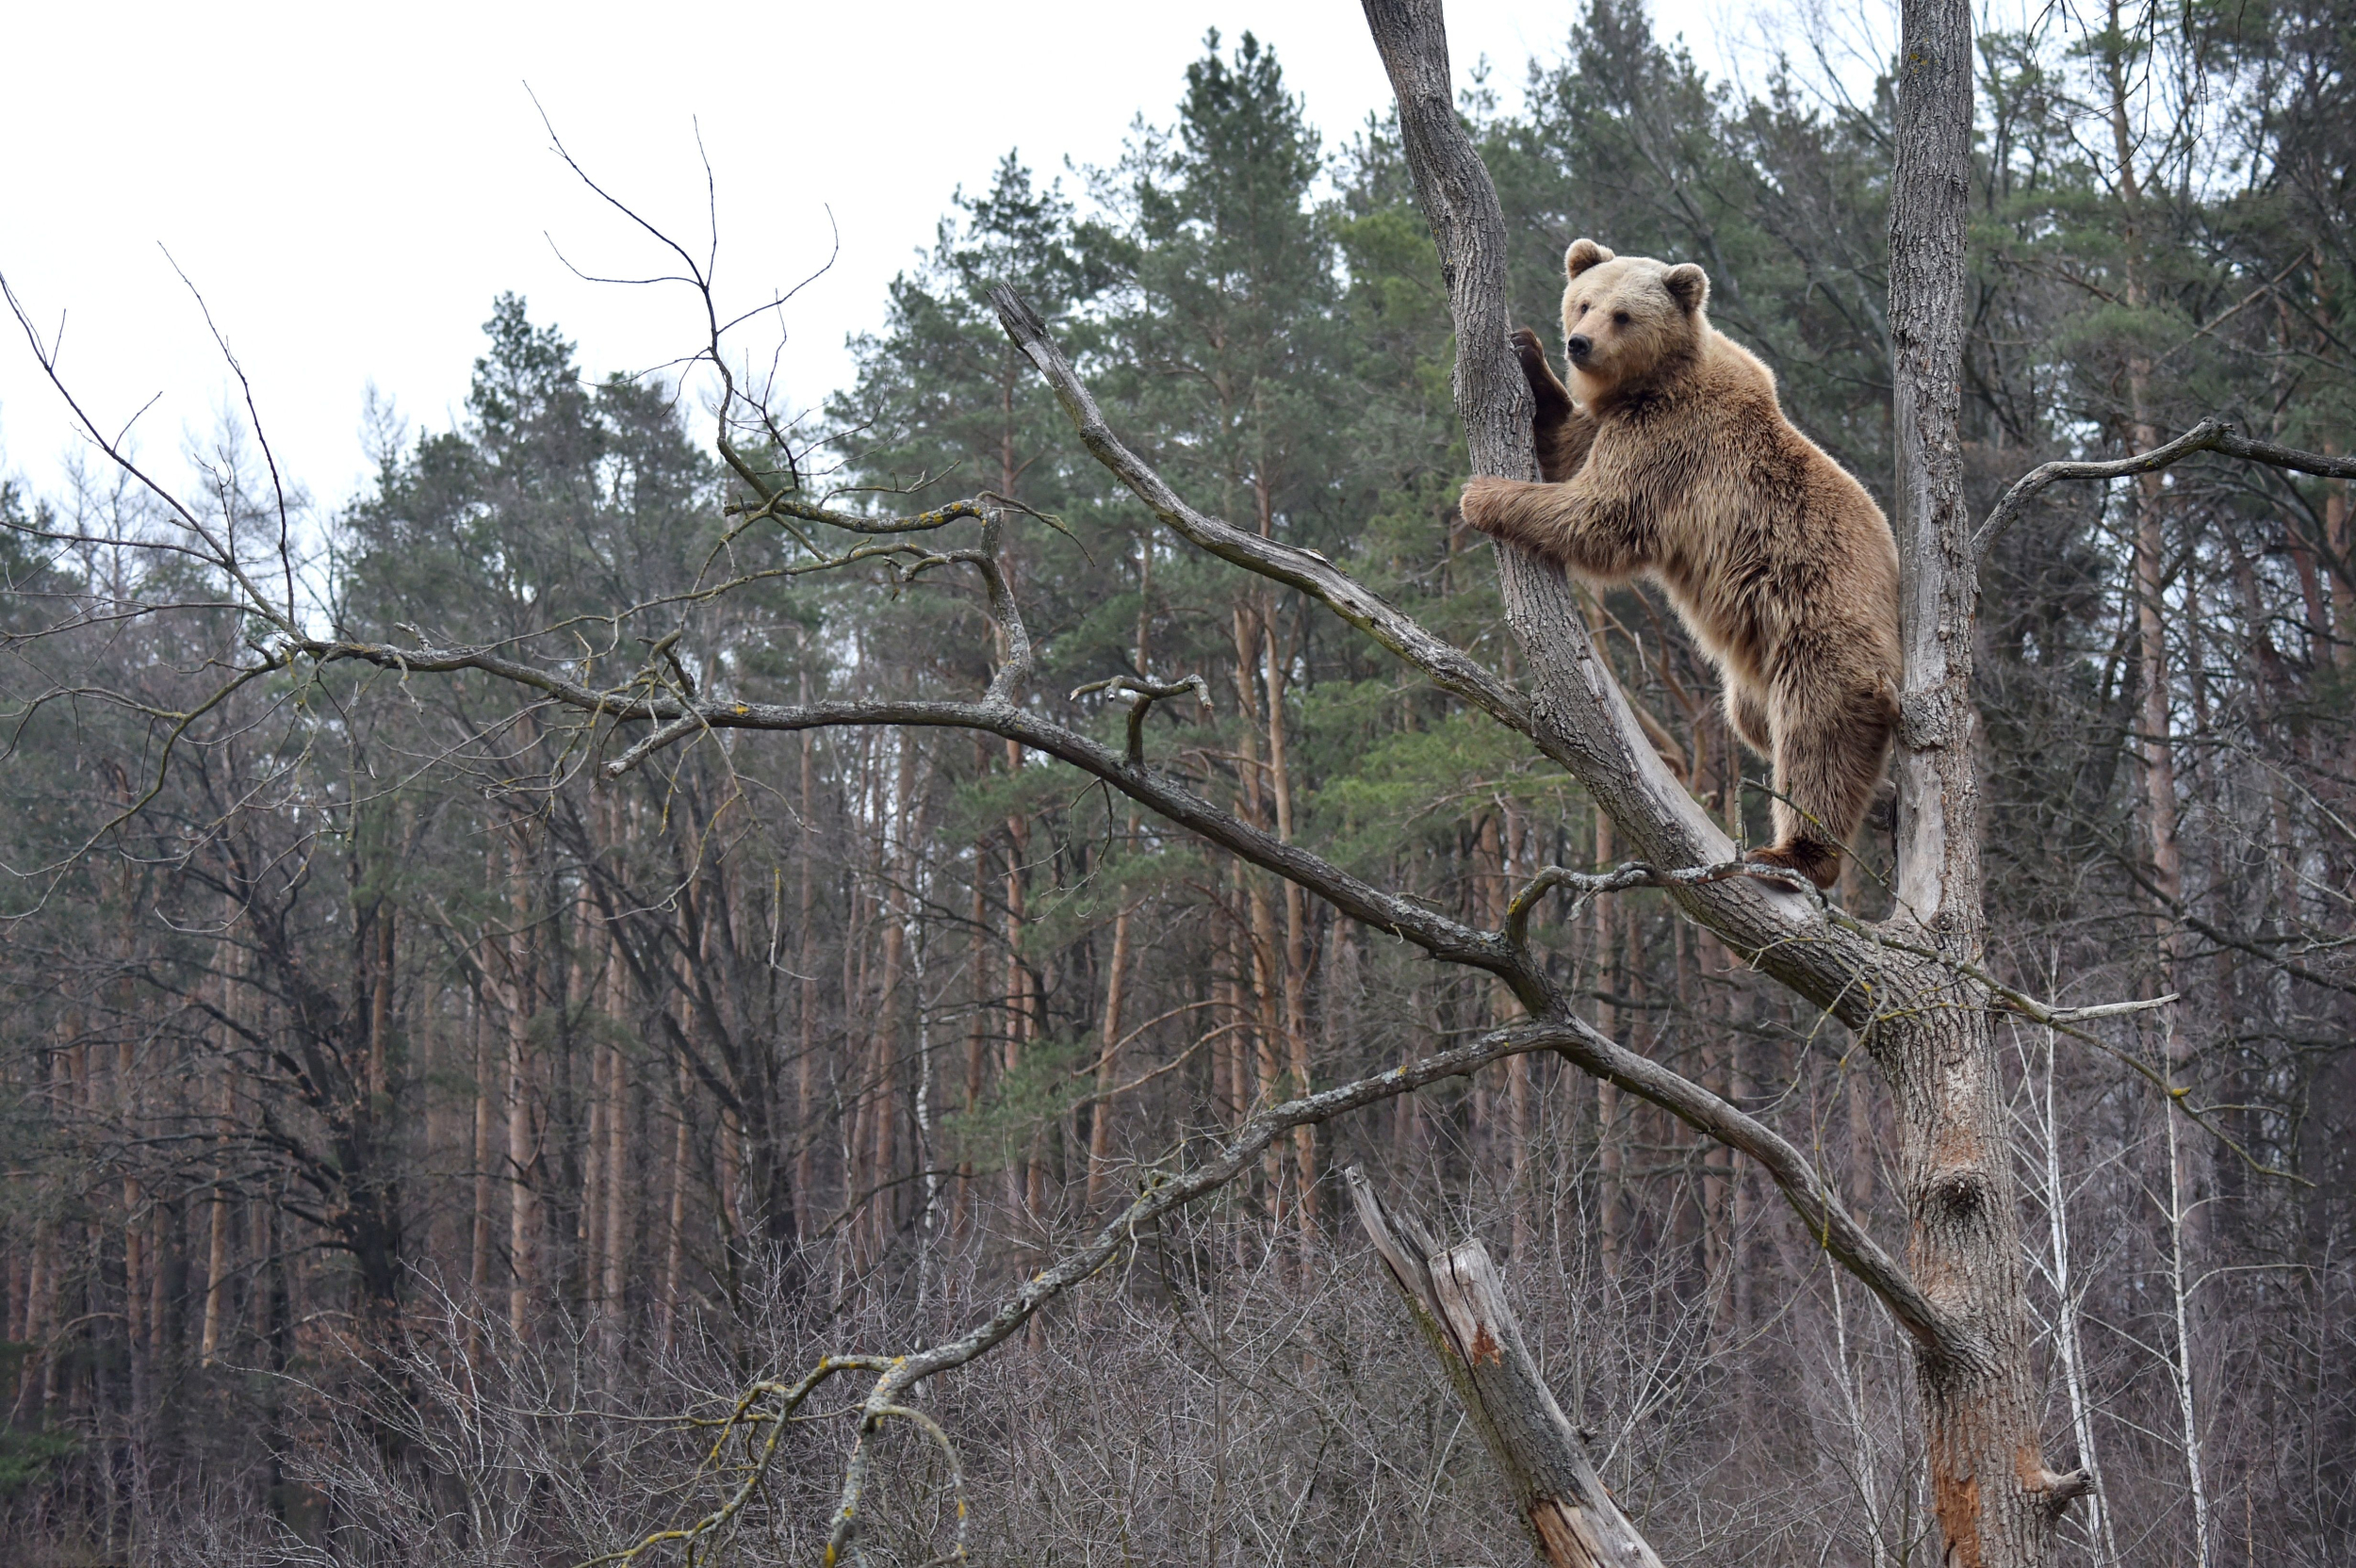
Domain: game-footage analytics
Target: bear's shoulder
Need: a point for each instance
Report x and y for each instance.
(1728, 369)
(1720, 386)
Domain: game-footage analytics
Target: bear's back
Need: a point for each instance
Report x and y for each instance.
(1763, 521)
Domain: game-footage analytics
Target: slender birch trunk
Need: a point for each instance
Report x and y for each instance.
(2065, 1347)
(1861, 1434)
(883, 1068)
(1108, 1034)
(2180, 1210)
(2156, 766)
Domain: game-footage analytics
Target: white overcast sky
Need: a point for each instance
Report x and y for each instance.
(350, 184)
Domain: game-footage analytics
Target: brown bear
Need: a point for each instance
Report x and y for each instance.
(1669, 457)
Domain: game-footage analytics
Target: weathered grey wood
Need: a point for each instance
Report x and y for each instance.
(1456, 1298)
(1939, 875)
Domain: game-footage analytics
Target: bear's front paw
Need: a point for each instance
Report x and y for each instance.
(1485, 501)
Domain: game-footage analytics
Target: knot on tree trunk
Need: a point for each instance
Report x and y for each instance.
(1926, 720)
(2062, 1490)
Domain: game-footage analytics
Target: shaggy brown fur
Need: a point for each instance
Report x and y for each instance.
(1669, 457)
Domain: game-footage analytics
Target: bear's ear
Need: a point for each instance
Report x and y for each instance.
(1689, 285)
(1582, 254)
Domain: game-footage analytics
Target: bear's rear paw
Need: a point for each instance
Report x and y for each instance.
(1819, 862)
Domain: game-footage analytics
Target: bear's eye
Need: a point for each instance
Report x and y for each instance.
(1582, 307)
(1620, 317)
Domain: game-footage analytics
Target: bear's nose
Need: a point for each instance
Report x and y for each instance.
(1580, 345)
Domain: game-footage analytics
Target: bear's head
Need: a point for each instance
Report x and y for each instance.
(1626, 320)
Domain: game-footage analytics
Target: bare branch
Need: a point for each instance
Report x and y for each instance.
(1448, 667)
(217, 552)
(783, 504)
(1011, 676)
(245, 387)
(2212, 434)
(1157, 790)
(1636, 873)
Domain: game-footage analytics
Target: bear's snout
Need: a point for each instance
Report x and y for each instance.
(1579, 346)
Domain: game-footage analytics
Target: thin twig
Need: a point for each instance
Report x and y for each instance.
(1636, 873)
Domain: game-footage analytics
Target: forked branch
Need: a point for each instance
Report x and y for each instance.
(1448, 666)
(1143, 692)
(2212, 434)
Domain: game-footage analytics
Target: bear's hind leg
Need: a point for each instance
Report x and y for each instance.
(1828, 750)
(1746, 714)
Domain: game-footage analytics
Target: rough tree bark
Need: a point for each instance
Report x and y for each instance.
(1995, 1498)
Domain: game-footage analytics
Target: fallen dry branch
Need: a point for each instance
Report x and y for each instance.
(1458, 1302)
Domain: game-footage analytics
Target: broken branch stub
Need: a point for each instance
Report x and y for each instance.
(1457, 1299)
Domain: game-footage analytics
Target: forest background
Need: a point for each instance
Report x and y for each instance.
(402, 1119)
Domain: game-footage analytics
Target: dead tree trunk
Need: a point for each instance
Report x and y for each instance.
(1457, 1300)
